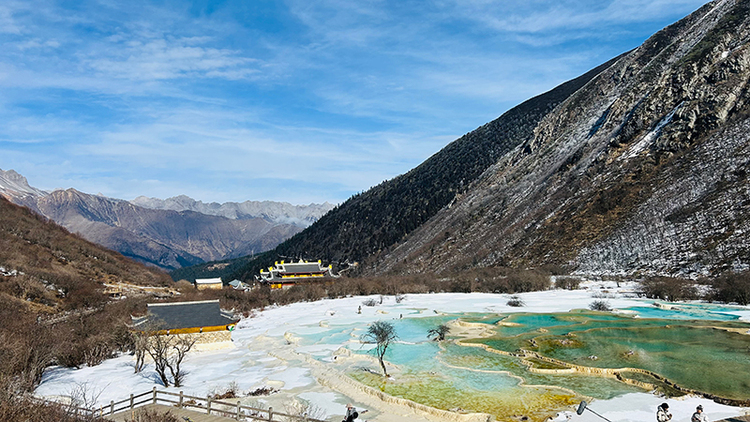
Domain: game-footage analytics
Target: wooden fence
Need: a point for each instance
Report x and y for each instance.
(201, 404)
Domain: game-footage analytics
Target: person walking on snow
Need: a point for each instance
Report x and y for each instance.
(699, 416)
(662, 413)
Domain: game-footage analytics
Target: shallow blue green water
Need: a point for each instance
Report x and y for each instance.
(688, 311)
(681, 344)
(681, 350)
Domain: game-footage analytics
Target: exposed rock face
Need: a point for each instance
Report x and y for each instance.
(642, 170)
(274, 212)
(164, 238)
(15, 187)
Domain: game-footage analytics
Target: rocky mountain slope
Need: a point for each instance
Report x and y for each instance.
(164, 238)
(16, 188)
(273, 212)
(639, 166)
(643, 170)
(377, 219)
(43, 264)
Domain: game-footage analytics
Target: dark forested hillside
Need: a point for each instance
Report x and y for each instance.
(642, 171)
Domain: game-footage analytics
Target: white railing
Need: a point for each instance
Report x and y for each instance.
(180, 400)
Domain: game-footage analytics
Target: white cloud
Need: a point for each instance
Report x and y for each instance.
(8, 24)
(163, 58)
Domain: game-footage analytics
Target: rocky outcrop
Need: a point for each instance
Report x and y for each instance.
(15, 188)
(641, 170)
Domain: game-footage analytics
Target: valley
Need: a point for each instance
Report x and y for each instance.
(589, 244)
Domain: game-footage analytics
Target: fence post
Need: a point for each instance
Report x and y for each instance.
(238, 411)
(111, 407)
(181, 397)
(270, 414)
(154, 390)
(131, 401)
(208, 407)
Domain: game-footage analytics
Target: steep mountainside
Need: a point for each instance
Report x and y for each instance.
(639, 166)
(40, 262)
(15, 187)
(164, 238)
(643, 170)
(273, 212)
(375, 220)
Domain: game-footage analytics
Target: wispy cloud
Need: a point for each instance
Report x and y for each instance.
(164, 58)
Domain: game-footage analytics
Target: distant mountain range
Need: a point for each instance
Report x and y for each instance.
(640, 166)
(167, 234)
(274, 212)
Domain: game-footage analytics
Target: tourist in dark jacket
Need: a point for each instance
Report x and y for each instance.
(699, 416)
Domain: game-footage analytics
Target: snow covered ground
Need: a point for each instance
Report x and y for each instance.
(253, 363)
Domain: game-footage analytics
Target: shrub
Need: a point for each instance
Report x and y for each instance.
(262, 391)
(600, 305)
(515, 302)
(567, 283)
(146, 415)
(666, 288)
(184, 286)
(370, 302)
(231, 391)
(732, 287)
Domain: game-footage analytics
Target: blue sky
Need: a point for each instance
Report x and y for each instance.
(299, 101)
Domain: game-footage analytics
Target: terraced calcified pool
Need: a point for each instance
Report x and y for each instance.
(684, 351)
(684, 345)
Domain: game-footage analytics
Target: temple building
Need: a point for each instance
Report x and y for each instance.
(208, 283)
(204, 320)
(286, 274)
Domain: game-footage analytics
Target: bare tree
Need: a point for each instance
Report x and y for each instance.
(140, 347)
(158, 349)
(181, 345)
(84, 396)
(167, 351)
(382, 334)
